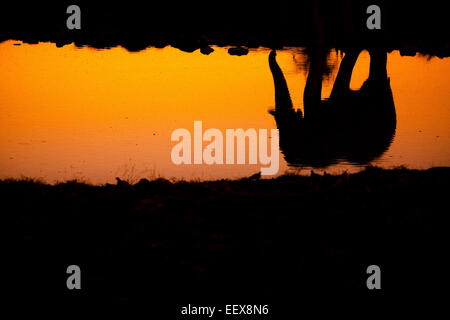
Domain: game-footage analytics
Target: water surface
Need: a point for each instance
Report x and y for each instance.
(79, 113)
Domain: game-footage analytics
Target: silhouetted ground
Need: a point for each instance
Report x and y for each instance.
(246, 241)
(411, 27)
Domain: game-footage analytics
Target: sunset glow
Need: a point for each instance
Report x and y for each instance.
(88, 114)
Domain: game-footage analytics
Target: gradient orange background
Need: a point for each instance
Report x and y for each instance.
(93, 115)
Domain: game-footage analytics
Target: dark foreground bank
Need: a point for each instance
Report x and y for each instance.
(169, 244)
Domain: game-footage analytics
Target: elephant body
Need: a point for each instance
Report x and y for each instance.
(355, 126)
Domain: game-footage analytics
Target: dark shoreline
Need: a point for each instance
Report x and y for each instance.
(254, 179)
(408, 27)
(184, 242)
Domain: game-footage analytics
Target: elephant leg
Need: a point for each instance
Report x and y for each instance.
(312, 96)
(318, 23)
(344, 76)
(347, 18)
(378, 65)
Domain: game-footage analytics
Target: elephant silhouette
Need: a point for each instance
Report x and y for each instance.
(355, 126)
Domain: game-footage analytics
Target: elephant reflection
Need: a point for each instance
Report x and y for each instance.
(356, 126)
